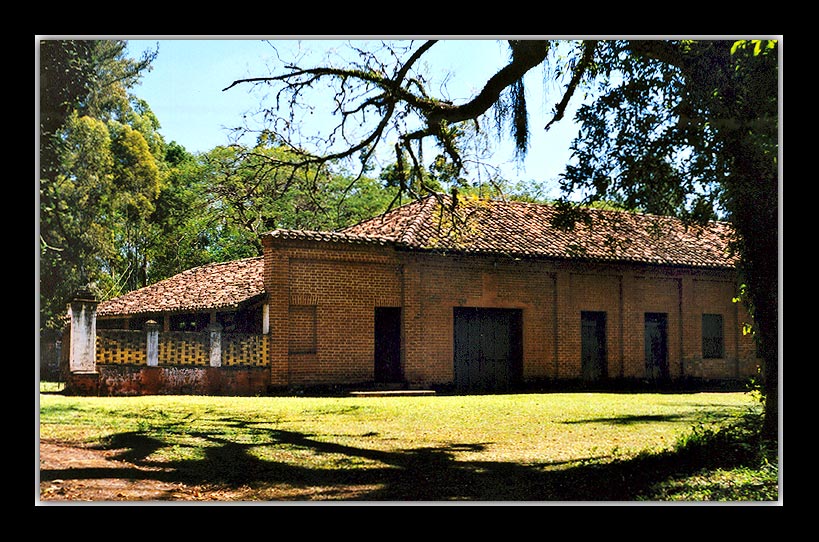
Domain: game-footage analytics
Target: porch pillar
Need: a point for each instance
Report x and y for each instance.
(152, 329)
(215, 330)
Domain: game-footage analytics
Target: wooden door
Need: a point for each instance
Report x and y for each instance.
(593, 345)
(487, 348)
(387, 344)
(656, 345)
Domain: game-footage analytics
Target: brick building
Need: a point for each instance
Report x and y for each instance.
(467, 294)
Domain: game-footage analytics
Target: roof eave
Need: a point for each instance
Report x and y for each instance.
(562, 257)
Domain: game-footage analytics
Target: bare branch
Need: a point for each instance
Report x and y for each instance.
(395, 100)
(526, 55)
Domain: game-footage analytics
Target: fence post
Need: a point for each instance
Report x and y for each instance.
(215, 344)
(83, 320)
(152, 346)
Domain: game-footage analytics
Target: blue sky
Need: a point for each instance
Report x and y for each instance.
(184, 90)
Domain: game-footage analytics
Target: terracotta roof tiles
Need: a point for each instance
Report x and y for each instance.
(212, 286)
(526, 230)
(330, 237)
(510, 228)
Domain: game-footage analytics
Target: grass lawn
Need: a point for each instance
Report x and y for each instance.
(521, 447)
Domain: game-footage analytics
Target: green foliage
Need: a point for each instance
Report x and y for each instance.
(690, 128)
(631, 148)
(414, 179)
(99, 175)
(722, 462)
(215, 206)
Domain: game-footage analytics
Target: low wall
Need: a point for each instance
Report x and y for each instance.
(125, 380)
(150, 362)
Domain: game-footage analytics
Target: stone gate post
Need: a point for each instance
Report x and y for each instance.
(83, 320)
(82, 377)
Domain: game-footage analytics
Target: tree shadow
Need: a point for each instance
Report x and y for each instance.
(630, 419)
(653, 418)
(417, 474)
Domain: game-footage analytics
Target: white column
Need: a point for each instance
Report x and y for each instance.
(152, 329)
(215, 345)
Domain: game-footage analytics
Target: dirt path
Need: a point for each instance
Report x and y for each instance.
(74, 473)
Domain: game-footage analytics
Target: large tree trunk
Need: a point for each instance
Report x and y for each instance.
(753, 194)
(769, 341)
(745, 110)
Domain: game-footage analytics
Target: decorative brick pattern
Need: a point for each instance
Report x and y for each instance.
(121, 347)
(244, 350)
(184, 348)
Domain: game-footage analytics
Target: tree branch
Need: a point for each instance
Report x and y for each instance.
(579, 72)
(526, 55)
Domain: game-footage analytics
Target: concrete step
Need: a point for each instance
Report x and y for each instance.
(391, 393)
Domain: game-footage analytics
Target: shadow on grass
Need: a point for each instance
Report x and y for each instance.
(418, 474)
(629, 420)
(653, 418)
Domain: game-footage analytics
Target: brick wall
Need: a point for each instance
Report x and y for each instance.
(323, 296)
(442, 283)
(322, 303)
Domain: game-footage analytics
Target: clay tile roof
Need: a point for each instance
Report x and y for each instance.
(329, 237)
(525, 230)
(212, 286)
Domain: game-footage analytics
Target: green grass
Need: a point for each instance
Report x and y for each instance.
(532, 447)
(52, 387)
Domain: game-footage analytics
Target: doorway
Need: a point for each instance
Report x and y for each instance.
(387, 345)
(488, 347)
(593, 345)
(656, 345)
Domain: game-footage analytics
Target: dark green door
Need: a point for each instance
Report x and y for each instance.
(656, 345)
(593, 345)
(488, 348)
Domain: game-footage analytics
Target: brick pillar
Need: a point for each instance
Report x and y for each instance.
(688, 348)
(82, 377)
(215, 330)
(565, 362)
(633, 364)
(631, 335)
(414, 354)
(152, 346)
(277, 287)
(83, 320)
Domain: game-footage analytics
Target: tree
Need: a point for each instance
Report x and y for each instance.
(98, 172)
(214, 207)
(178, 235)
(679, 127)
(255, 190)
